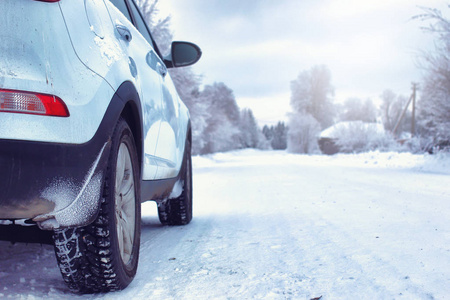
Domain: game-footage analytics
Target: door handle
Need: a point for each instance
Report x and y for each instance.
(162, 70)
(124, 32)
(155, 63)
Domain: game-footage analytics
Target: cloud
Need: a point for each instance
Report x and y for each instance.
(338, 9)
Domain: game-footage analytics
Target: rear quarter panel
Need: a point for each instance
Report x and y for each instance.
(37, 55)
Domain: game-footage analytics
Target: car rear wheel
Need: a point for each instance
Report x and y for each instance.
(178, 210)
(103, 256)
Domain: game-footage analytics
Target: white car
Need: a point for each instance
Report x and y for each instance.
(90, 126)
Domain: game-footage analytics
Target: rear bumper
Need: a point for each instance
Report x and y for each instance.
(56, 185)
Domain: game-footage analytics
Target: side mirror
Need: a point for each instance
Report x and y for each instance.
(183, 54)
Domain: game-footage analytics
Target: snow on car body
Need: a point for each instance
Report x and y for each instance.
(85, 99)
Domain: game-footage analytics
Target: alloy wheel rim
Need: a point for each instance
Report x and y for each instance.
(125, 208)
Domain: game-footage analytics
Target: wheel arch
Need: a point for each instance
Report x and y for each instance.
(131, 112)
(132, 116)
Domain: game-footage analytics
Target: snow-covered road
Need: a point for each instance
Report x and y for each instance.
(273, 225)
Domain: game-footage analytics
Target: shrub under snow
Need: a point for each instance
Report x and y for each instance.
(357, 136)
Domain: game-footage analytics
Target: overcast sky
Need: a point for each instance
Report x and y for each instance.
(258, 47)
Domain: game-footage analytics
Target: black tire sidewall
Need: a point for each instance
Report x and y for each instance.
(188, 182)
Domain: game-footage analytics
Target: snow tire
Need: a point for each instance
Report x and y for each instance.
(178, 211)
(92, 259)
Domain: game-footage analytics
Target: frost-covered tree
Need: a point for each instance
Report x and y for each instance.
(303, 133)
(358, 136)
(391, 109)
(276, 135)
(222, 124)
(249, 129)
(159, 27)
(405, 122)
(434, 105)
(388, 97)
(354, 109)
(267, 132)
(312, 92)
(279, 140)
(312, 107)
(188, 87)
(222, 101)
(263, 144)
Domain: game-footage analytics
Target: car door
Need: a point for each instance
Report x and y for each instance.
(148, 70)
(172, 133)
(168, 154)
(171, 139)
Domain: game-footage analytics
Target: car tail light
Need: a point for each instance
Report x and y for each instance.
(32, 103)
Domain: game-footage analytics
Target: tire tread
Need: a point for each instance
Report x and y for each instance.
(85, 255)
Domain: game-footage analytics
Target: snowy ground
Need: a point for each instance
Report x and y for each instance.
(273, 225)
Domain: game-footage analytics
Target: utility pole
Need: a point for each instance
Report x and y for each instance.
(413, 113)
(413, 100)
